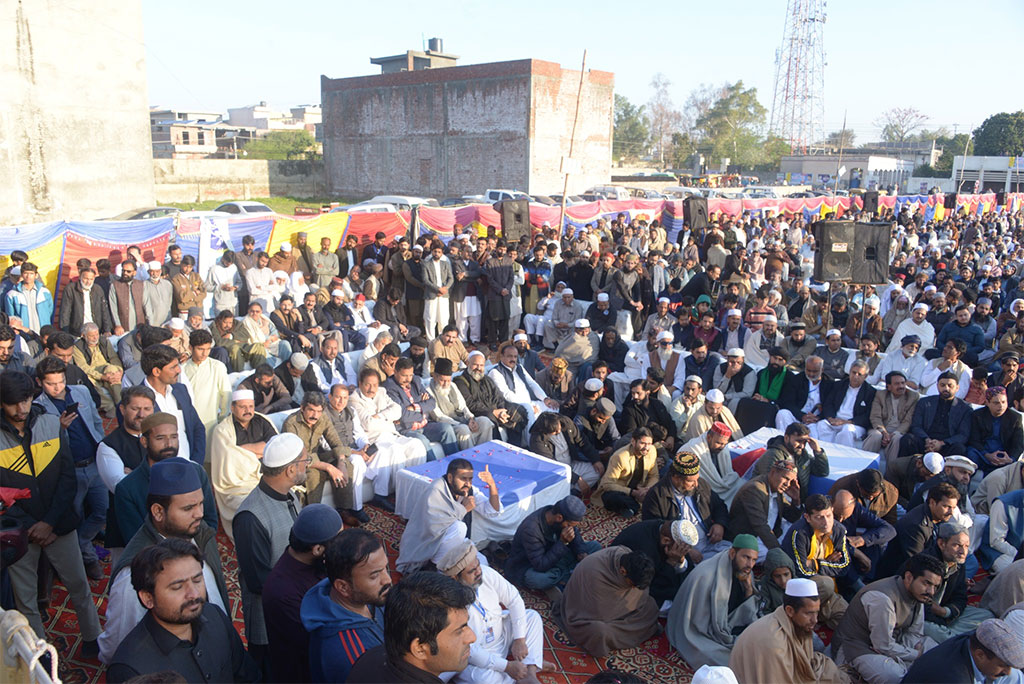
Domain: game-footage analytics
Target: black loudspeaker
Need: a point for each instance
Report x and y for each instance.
(871, 253)
(833, 259)
(1000, 199)
(515, 219)
(871, 202)
(949, 200)
(695, 212)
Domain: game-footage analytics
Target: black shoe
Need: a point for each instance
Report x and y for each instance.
(94, 570)
(90, 649)
(361, 516)
(382, 503)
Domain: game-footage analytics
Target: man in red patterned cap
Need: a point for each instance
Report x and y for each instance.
(716, 460)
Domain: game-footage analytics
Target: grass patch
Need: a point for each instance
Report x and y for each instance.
(282, 205)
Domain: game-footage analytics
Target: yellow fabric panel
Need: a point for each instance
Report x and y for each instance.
(47, 258)
(331, 225)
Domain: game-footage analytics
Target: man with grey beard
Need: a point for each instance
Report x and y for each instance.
(483, 398)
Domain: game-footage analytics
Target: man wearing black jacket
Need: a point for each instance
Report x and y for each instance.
(77, 296)
(38, 458)
(803, 395)
(642, 410)
(557, 437)
(918, 528)
(682, 495)
(666, 543)
(941, 423)
(949, 614)
(846, 412)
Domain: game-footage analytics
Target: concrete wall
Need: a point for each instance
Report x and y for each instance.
(195, 180)
(74, 117)
(460, 130)
(554, 107)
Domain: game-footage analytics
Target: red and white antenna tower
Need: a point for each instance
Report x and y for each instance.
(798, 104)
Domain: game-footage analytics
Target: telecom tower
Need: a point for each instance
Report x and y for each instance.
(798, 104)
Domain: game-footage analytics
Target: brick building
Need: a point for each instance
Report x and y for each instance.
(460, 129)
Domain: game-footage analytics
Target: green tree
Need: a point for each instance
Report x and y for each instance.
(733, 125)
(1001, 135)
(951, 146)
(843, 139)
(632, 134)
(680, 151)
(774, 149)
(283, 145)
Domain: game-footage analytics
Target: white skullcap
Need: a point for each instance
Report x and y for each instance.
(714, 674)
(521, 337)
(715, 396)
(695, 378)
(286, 246)
(665, 335)
(593, 385)
(154, 266)
(685, 532)
(243, 395)
(921, 305)
(934, 462)
(567, 291)
(16, 270)
(833, 331)
(282, 449)
(417, 248)
(582, 322)
(464, 237)
(585, 254)
(337, 293)
(734, 312)
(299, 361)
(177, 324)
(546, 224)
(961, 462)
(930, 288)
(664, 300)
(799, 587)
(770, 319)
(735, 351)
(603, 297)
(475, 352)
(280, 275)
(872, 302)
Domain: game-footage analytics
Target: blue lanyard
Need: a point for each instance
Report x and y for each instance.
(483, 614)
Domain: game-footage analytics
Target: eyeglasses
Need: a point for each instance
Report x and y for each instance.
(308, 460)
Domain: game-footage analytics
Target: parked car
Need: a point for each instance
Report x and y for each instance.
(367, 208)
(502, 194)
(759, 192)
(569, 200)
(542, 199)
(612, 192)
(682, 191)
(144, 213)
(245, 208)
(402, 202)
(644, 193)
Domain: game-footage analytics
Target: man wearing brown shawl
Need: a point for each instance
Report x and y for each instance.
(606, 606)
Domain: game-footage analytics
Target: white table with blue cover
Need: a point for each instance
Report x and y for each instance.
(842, 460)
(525, 481)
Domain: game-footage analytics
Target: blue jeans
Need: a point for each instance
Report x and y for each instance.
(558, 574)
(91, 502)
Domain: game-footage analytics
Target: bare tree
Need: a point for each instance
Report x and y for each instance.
(664, 118)
(899, 123)
(698, 104)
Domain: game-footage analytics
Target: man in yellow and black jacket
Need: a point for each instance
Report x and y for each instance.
(34, 455)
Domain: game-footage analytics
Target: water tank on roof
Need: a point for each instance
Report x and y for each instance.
(436, 45)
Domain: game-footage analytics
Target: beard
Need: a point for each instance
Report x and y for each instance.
(477, 375)
(665, 354)
(163, 454)
(184, 615)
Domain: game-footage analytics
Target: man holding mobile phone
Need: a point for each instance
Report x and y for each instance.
(77, 413)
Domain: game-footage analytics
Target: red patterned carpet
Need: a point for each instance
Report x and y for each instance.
(655, 659)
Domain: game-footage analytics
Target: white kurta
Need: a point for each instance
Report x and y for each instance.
(211, 377)
(496, 628)
(520, 391)
(234, 471)
(374, 423)
(924, 330)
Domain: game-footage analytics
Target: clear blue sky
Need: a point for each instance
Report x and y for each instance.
(954, 61)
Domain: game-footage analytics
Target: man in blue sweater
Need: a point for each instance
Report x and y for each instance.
(962, 328)
(344, 613)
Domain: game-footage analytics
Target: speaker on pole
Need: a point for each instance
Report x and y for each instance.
(871, 253)
(871, 202)
(515, 219)
(833, 258)
(695, 212)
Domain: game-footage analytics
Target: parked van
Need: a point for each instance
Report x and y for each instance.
(500, 195)
(402, 202)
(612, 192)
(367, 208)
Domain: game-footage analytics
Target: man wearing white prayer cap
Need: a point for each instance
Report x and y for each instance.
(761, 341)
(157, 295)
(734, 378)
(564, 314)
(779, 646)
(667, 543)
(661, 318)
(916, 324)
(734, 334)
(714, 674)
(581, 348)
(236, 445)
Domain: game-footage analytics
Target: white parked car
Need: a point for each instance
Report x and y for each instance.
(245, 208)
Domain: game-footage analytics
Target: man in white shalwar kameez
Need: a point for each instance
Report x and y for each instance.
(516, 385)
(444, 516)
(509, 643)
(373, 415)
(260, 280)
(915, 325)
(236, 447)
(211, 377)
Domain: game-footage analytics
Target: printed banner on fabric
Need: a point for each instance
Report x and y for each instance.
(47, 257)
(77, 246)
(325, 225)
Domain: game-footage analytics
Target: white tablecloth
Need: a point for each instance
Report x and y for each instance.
(411, 487)
(842, 460)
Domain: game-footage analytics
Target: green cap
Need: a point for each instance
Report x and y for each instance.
(745, 541)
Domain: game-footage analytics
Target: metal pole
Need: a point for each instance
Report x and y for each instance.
(572, 141)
